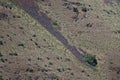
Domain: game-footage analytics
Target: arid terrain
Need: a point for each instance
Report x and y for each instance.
(47, 39)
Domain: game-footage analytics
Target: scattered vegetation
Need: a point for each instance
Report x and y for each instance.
(29, 70)
(16, 16)
(13, 54)
(3, 60)
(29, 59)
(60, 70)
(1, 37)
(6, 4)
(55, 23)
(118, 71)
(117, 31)
(21, 44)
(72, 73)
(1, 78)
(39, 58)
(37, 44)
(1, 54)
(59, 57)
(68, 59)
(34, 35)
(21, 28)
(48, 58)
(90, 59)
(89, 24)
(61, 60)
(85, 9)
(3, 16)
(69, 69)
(1, 43)
(50, 63)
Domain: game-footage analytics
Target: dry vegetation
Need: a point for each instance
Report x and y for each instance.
(29, 52)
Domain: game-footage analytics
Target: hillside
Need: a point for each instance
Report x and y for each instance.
(34, 47)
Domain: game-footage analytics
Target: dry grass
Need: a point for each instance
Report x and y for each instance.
(30, 52)
(100, 39)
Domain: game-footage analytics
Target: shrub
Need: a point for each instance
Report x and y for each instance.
(60, 69)
(55, 23)
(39, 58)
(72, 73)
(90, 59)
(1, 77)
(6, 4)
(13, 54)
(1, 43)
(50, 63)
(1, 54)
(67, 59)
(3, 60)
(22, 45)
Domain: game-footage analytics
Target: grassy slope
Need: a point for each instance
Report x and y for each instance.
(91, 40)
(99, 39)
(22, 63)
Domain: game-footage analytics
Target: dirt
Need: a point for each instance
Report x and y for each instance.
(47, 24)
(36, 41)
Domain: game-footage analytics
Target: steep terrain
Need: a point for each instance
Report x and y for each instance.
(29, 52)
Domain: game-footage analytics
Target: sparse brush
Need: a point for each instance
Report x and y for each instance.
(1, 54)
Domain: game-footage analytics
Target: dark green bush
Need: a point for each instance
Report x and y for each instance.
(90, 59)
(55, 23)
(21, 44)
(13, 54)
(1, 54)
(1, 43)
